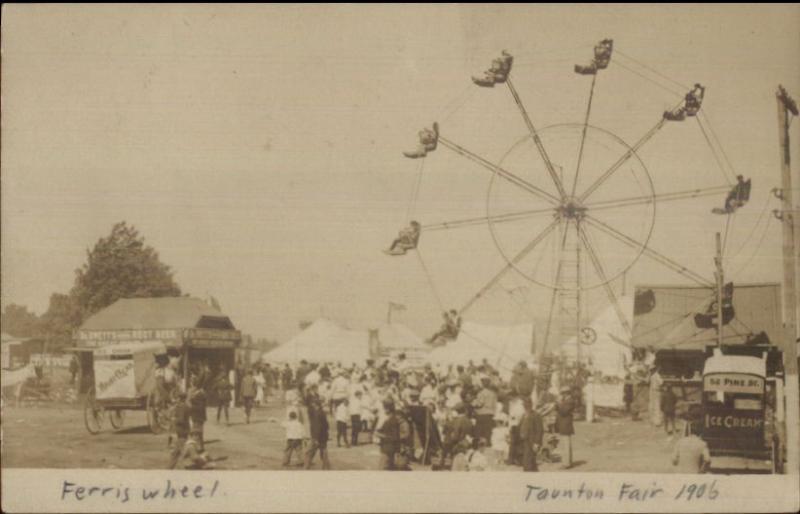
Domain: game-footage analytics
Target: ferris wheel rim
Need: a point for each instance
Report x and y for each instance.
(640, 251)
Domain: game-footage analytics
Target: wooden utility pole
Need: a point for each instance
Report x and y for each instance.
(790, 228)
(718, 274)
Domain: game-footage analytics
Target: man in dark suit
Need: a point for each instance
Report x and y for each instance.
(564, 420)
(531, 432)
(318, 427)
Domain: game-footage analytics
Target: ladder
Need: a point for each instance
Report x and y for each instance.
(569, 294)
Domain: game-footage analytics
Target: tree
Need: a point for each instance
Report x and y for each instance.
(18, 321)
(120, 266)
(61, 317)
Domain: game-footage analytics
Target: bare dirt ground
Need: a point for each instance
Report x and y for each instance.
(54, 436)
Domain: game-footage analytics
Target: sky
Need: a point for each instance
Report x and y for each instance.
(258, 148)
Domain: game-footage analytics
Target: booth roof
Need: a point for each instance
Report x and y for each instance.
(670, 324)
(8, 338)
(157, 313)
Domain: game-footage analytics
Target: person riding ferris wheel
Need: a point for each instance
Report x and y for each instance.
(576, 213)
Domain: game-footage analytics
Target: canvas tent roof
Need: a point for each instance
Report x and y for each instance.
(323, 341)
(611, 350)
(157, 313)
(503, 346)
(9, 339)
(670, 322)
(396, 336)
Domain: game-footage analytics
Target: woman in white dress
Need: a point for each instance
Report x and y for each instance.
(260, 384)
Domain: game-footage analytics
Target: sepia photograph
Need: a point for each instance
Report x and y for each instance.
(555, 244)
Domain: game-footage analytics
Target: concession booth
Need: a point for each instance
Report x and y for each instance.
(198, 338)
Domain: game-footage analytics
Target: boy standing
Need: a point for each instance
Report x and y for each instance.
(294, 437)
(248, 392)
(355, 417)
(668, 404)
(180, 427)
(341, 412)
(224, 397)
(197, 407)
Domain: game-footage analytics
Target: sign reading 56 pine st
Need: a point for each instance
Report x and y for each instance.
(734, 383)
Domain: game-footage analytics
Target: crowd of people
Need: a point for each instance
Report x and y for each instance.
(446, 417)
(454, 417)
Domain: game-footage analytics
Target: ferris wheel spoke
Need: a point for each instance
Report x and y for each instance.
(511, 264)
(500, 218)
(598, 267)
(656, 256)
(665, 197)
(622, 160)
(555, 289)
(583, 135)
(494, 168)
(539, 146)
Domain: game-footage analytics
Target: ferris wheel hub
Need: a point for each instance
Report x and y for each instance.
(571, 208)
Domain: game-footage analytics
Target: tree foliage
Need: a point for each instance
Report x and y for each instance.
(120, 266)
(57, 323)
(18, 321)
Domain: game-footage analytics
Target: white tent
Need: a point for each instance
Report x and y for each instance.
(503, 346)
(611, 350)
(323, 341)
(395, 338)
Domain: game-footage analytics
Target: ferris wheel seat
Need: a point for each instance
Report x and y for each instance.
(737, 197)
(676, 115)
(586, 70)
(485, 81)
(416, 154)
(602, 63)
(396, 251)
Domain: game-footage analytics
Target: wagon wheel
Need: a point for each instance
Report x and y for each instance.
(117, 418)
(92, 414)
(158, 416)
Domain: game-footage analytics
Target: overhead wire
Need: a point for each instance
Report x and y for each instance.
(653, 70)
(412, 204)
(430, 280)
(645, 77)
(757, 248)
(719, 144)
(713, 150)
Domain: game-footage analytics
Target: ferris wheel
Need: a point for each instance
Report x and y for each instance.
(573, 190)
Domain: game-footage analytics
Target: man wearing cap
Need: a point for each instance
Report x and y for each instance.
(389, 435)
(180, 427)
(531, 432)
(485, 405)
(248, 392)
(318, 426)
(516, 411)
(197, 406)
(457, 432)
(691, 453)
(564, 420)
(340, 389)
(523, 380)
